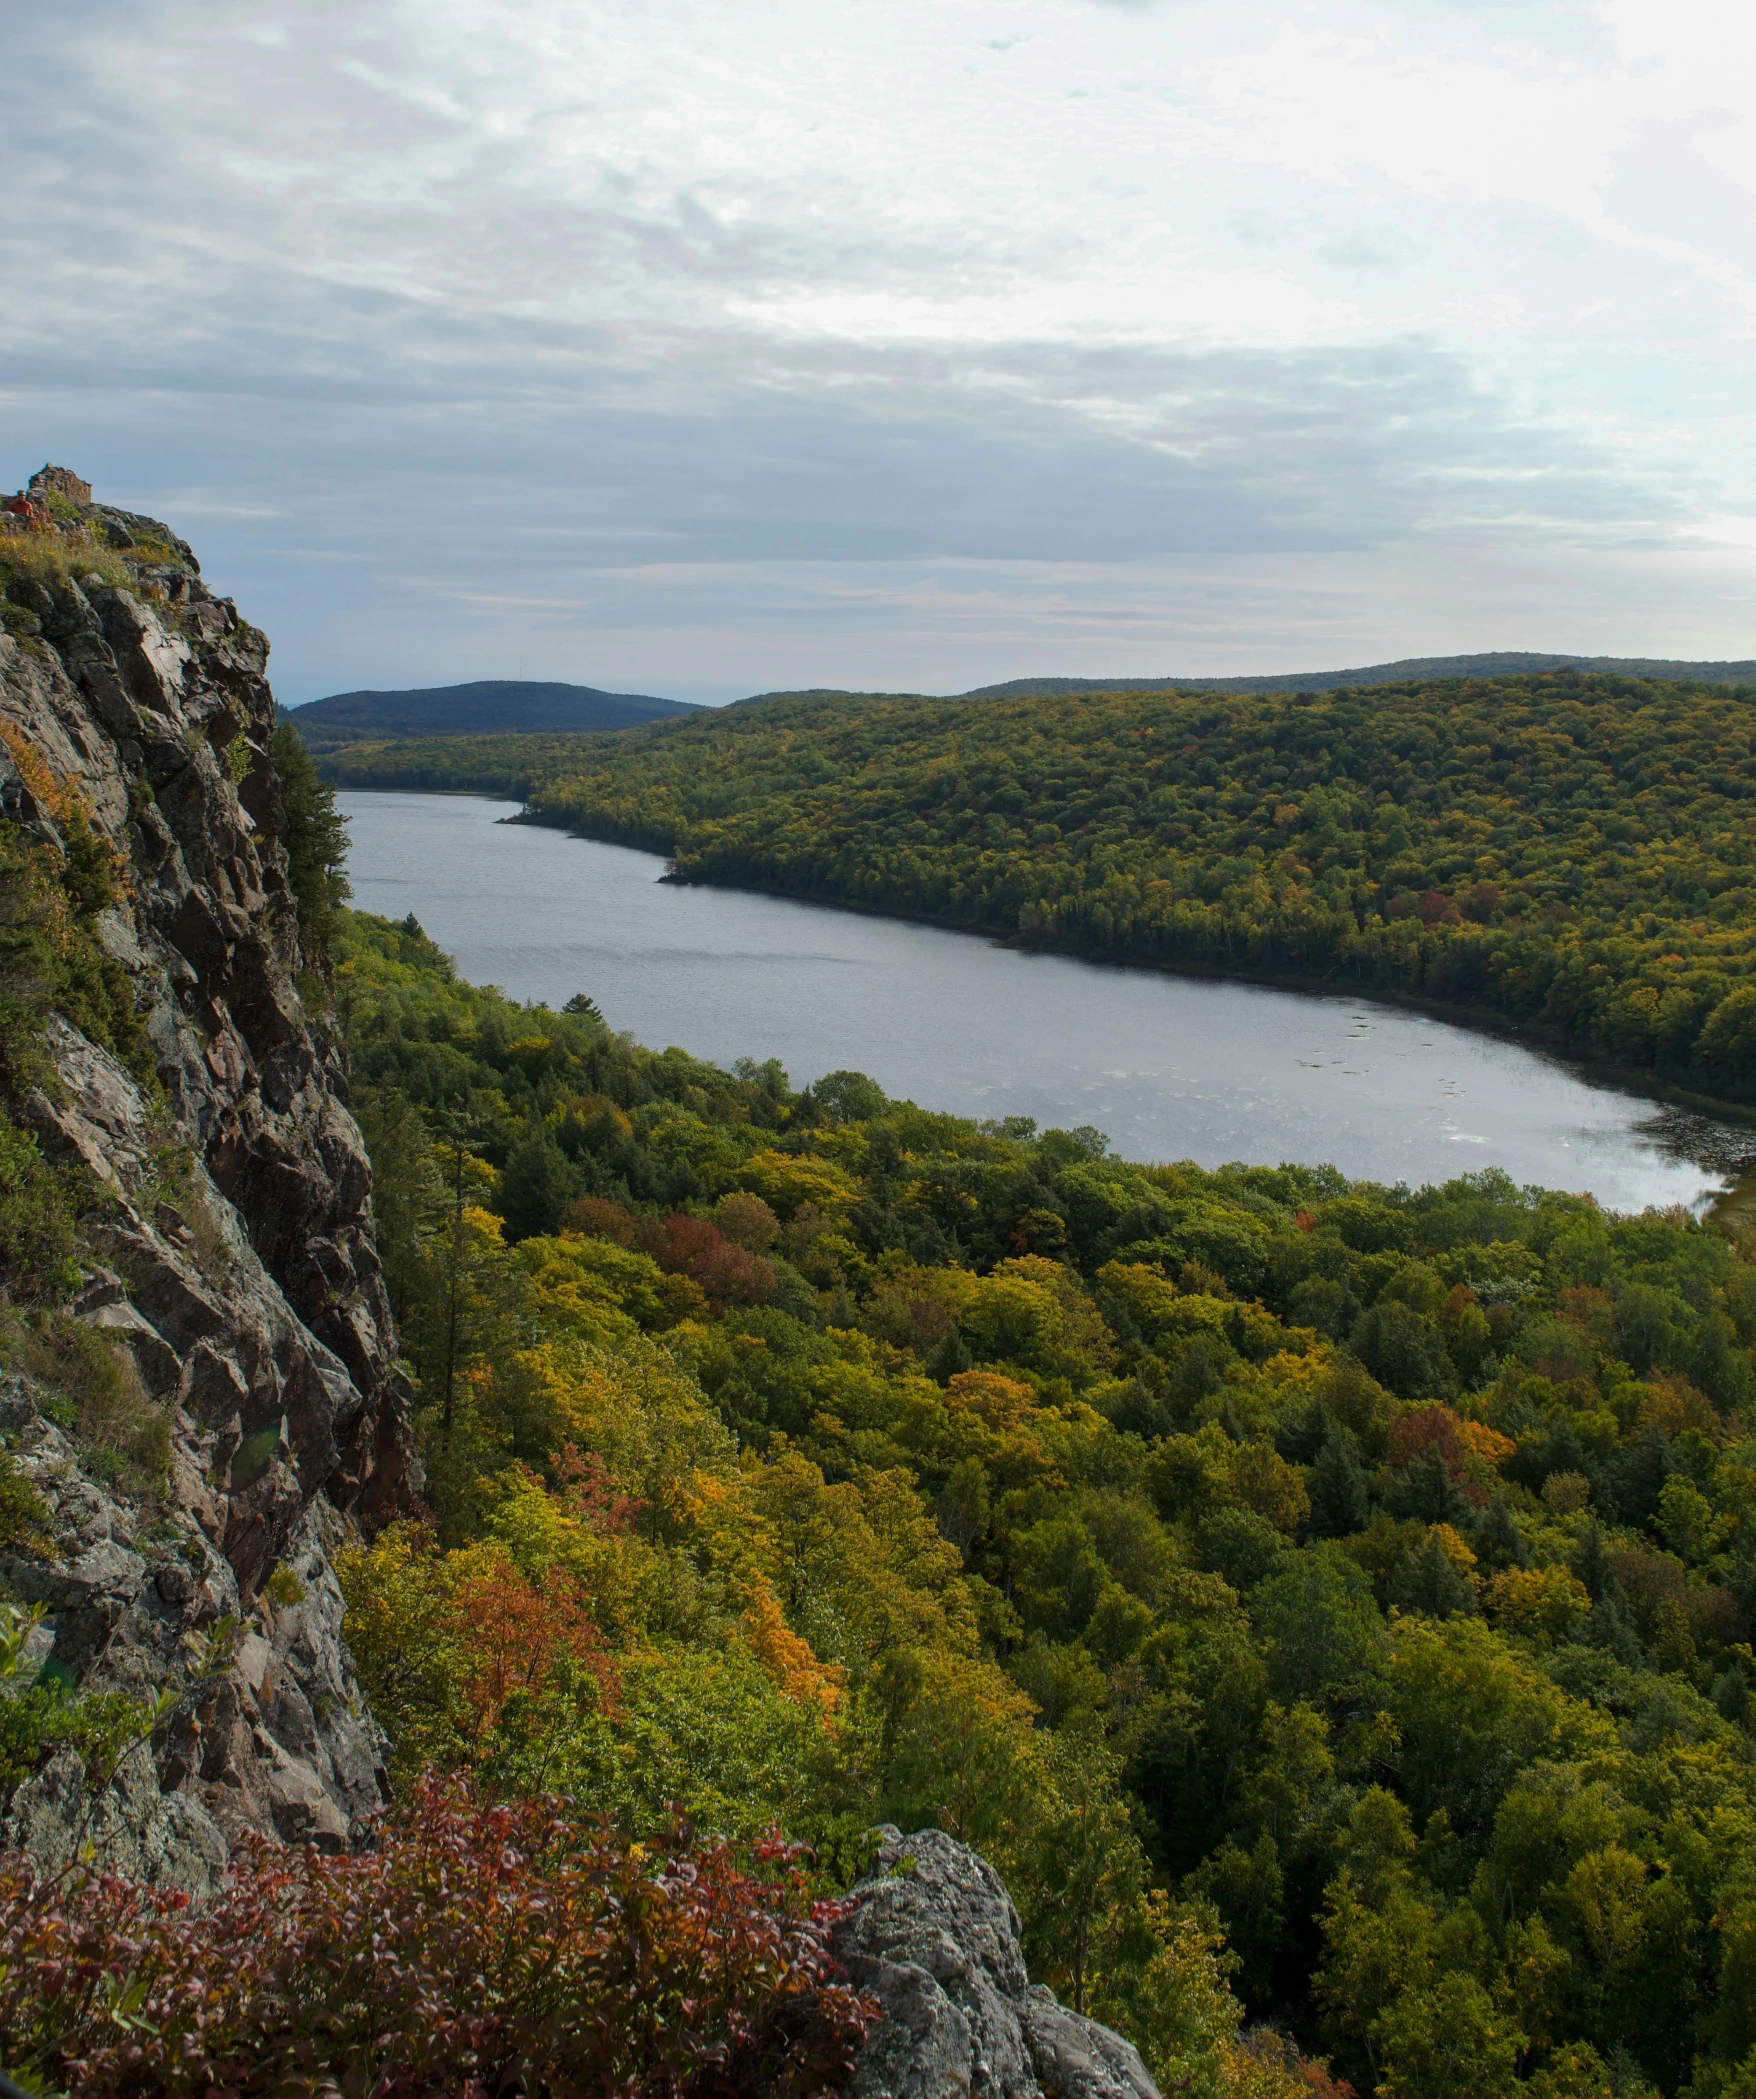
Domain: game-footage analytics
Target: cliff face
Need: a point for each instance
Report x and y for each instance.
(229, 1250)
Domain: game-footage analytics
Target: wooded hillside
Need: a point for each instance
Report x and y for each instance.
(1567, 850)
(1366, 1573)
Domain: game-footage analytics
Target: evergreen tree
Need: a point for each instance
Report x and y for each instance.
(951, 1356)
(1591, 1563)
(537, 1186)
(1425, 1492)
(1339, 1504)
(316, 839)
(1428, 1580)
(1497, 1540)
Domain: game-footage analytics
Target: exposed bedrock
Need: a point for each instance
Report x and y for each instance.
(933, 1936)
(231, 1255)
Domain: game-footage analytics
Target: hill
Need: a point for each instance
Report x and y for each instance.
(1500, 663)
(1569, 850)
(488, 707)
(1334, 1597)
(1496, 663)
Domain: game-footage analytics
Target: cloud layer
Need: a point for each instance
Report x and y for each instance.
(900, 342)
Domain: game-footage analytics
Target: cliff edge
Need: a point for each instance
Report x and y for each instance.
(226, 1249)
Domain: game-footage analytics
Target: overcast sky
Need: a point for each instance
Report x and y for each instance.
(705, 348)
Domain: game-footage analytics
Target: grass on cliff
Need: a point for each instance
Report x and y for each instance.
(50, 961)
(53, 557)
(91, 1389)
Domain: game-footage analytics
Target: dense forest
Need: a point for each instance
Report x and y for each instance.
(1569, 852)
(1329, 1604)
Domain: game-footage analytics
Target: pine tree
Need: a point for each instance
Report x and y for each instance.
(537, 1185)
(1428, 1580)
(1426, 1492)
(1497, 1540)
(1339, 1503)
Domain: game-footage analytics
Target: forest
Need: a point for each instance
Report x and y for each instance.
(1570, 853)
(1328, 1604)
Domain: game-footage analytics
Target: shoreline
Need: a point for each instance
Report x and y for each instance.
(1738, 1170)
(1587, 1064)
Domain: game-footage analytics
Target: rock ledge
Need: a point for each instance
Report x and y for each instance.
(933, 1936)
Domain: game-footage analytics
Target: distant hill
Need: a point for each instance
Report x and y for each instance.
(1499, 663)
(488, 707)
(1503, 663)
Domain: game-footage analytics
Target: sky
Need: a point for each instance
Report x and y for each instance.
(702, 349)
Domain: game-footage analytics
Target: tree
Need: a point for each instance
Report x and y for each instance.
(1319, 1622)
(1339, 1504)
(1441, 2042)
(1497, 1539)
(1427, 1579)
(1087, 1868)
(1425, 1492)
(316, 841)
(537, 1185)
(1404, 1350)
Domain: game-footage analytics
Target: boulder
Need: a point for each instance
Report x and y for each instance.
(933, 1936)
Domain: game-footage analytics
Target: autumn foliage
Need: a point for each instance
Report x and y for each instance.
(473, 1950)
(728, 1274)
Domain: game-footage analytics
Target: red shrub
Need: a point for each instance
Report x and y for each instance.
(476, 1951)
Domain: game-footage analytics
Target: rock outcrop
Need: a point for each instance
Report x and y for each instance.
(230, 1252)
(933, 1936)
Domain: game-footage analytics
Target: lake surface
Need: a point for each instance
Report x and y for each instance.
(1168, 1067)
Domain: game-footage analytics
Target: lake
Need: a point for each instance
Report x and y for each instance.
(1168, 1067)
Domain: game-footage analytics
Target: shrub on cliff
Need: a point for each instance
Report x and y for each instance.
(474, 1949)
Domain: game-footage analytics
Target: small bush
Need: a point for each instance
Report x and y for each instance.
(40, 1713)
(474, 1948)
(122, 1434)
(24, 1516)
(36, 1221)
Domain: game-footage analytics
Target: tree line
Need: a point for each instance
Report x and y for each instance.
(1568, 851)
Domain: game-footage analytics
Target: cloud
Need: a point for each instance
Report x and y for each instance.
(472, 328)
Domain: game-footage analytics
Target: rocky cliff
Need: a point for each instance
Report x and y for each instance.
(933, 1936)
(227, 1246)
